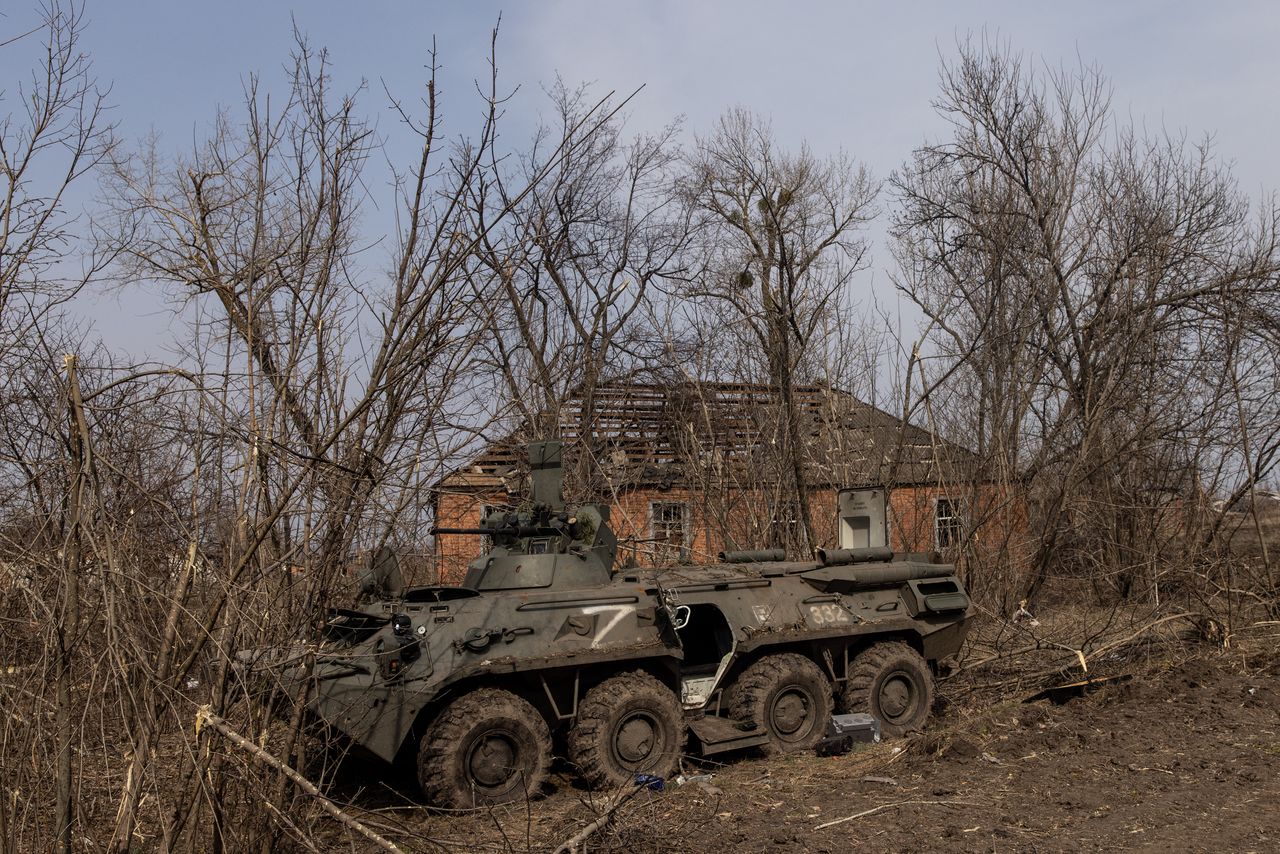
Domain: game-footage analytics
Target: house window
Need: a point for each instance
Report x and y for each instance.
(948, 523)
(669, 530)
(784, 525)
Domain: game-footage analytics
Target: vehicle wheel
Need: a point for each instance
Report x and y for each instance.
(787, 696)
(892, 682)
(628, 724)
(486, 747)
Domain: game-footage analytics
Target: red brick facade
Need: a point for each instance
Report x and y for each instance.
(693, 468)
(989, 525)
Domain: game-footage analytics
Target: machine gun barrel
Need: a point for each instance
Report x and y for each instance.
(504, 531)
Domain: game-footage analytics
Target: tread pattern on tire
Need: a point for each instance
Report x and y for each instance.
(758, 681)
(870, 664)
(588, 738)
(440, 773)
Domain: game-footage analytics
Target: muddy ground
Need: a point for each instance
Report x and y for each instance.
(1181, 757)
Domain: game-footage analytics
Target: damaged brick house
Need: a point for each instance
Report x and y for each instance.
(689, 470)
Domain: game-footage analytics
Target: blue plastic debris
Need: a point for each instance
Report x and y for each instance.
(649, 781)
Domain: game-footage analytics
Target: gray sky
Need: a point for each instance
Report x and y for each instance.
(841, 75)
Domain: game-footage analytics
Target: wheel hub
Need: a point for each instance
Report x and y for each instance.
(897, 696)
(790, 712)
(636, 737)
(492, 760)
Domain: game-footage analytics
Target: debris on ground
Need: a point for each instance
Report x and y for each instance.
(1179, 756)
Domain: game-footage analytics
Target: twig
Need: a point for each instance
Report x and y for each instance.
(1124, 641)
(1089, 655)
(888, 806)
(570, 845)
(297, 831)
(205, 717)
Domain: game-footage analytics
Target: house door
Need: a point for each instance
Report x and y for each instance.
(861, 518)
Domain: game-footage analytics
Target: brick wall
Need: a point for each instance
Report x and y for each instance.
(1001, 524)
(455, 551)
(996, 534)
(629, 517)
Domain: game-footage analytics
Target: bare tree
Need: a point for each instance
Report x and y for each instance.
(52, 136)
(567, 279)
(338, 399)
(1075, 273)
(55, 136)
(781, 235)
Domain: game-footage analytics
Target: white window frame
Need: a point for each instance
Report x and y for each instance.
(783, 524)
(955, 525)
(686, 540)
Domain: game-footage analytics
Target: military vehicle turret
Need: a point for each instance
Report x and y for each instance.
(546, 643)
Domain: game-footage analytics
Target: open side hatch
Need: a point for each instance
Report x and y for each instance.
(708, 645)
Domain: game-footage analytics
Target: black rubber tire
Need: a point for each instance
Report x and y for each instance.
(627, 725)
(787, 696)
(486, 747)
(892, 682)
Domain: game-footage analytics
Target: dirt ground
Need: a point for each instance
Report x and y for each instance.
(1183, 756)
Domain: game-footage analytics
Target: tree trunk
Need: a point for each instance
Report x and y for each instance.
(69, 625)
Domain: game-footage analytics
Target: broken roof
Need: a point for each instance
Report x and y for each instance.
(683, 434)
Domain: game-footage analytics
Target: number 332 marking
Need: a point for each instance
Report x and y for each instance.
(827, 614)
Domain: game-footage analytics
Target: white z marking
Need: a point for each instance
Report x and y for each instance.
(618, 611)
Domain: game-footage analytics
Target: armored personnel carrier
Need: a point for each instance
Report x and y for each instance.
(547, 647)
